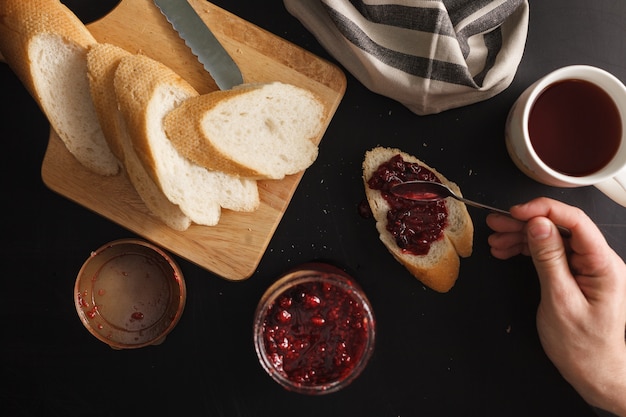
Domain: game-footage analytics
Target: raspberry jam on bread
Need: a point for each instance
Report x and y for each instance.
(314, 330)
(414, 225)
(443, 230)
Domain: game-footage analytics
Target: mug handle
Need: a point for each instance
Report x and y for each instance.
(615, 188)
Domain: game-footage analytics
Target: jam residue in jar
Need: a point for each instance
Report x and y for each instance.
(414, 225)
(314, 330)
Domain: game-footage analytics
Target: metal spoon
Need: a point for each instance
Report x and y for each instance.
(428, 191)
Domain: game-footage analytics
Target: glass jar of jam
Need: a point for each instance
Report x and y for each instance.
(314, 330)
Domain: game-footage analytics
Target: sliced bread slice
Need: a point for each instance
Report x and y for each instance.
(102, 62)
(439, 268)
(45, 44)
(146, 91)
(258, 131)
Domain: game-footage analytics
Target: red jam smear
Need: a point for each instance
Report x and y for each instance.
(316, 333)
(414, 225)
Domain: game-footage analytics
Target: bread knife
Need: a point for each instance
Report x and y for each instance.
(202, 42)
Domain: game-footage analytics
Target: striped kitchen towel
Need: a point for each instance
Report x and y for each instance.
(430, 55)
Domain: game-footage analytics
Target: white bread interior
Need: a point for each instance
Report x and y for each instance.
(263, 131)
(45, 44)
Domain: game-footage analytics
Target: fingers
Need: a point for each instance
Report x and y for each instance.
(500, 223)
(508, 245)
(509, 239)
(548, 252)
(559, 263)
(586, 243)
(586, 237)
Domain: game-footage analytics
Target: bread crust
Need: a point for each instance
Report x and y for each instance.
(439, 268)
(102, 61)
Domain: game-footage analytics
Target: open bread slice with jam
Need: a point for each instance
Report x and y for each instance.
(427, 238)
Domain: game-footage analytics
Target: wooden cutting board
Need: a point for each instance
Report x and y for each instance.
(233, 248)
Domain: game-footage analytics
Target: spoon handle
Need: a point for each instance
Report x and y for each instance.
(563, 231)
(484, 206)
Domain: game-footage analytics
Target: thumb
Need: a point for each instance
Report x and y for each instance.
(547, 250)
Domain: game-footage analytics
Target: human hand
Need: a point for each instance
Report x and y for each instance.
(581, 319)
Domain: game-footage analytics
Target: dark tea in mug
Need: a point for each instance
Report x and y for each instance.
(575, 127)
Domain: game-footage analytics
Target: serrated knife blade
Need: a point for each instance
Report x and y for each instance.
(202, 42)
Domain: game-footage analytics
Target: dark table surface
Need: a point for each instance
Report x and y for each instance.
(473, 351)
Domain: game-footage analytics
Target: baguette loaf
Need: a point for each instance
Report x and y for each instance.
(146, 91)
(438, 269)
(263, 131)
(45, 44)
(102, 62)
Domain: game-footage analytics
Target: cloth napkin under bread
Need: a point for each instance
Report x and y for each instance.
(430, 55)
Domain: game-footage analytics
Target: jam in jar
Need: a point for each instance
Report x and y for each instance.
(314, 330)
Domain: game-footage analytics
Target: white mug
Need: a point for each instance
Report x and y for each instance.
(610, 178)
